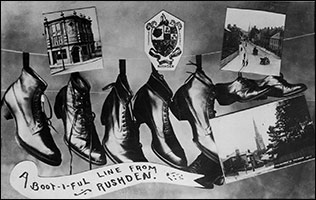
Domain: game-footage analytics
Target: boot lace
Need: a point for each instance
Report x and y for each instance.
(39, 115)
(83, 112)
(85, 116)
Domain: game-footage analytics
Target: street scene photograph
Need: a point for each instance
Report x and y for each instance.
(264, 139)
(252, 41)
(73, 40)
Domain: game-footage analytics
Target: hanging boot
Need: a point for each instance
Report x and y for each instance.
(211, 170)
(151, 106)
(241, 90)
(194, 101)
(23, 100)
(73, 106)
(121, 137)
(279, 87)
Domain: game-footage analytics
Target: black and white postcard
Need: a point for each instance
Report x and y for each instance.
(252, 41)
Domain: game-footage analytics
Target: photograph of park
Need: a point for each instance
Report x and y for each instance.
(264, 138)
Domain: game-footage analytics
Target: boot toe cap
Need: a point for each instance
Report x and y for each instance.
(98, 158)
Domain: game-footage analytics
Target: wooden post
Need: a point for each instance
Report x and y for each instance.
(198, 61)
(26, 60)
(122, 66)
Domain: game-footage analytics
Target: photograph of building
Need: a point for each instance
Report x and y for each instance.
(252, 41)
(72, 44)
(266, 138)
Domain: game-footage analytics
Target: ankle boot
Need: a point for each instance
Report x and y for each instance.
(241, 89)
(279, 87)
(73, 106)
(211, 170)
(194, 101)
(151, 106)
(121, 137)
(22, 100)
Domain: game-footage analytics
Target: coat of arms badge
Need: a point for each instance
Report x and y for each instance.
(164, 40)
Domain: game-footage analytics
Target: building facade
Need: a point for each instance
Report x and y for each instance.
(275, 42)
(69, 39)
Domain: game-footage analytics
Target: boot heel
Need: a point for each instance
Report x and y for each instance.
(6, 111)
(59, 101)
(225, 100)
(222, 98)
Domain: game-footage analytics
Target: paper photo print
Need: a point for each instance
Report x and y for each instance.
(73, 40)
(252, 41)
(264, 139)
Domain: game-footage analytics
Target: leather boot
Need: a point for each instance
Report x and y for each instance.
(279, 87)
(211, 170)
(151, 106)
(121, 137)
(73, 106)
(241, 89)
(194, 101)
(22, 100)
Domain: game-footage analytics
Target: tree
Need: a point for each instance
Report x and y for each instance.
(288, 135)
(253, 33)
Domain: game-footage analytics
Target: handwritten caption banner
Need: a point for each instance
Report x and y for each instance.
(24, 179)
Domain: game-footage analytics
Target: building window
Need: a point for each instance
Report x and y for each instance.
(53, 30)
(58, 29)
(60, 54)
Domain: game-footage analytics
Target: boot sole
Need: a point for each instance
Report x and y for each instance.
(82, 156)
(167, 161)
(29, 150)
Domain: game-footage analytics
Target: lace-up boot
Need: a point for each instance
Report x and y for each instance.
(194, 101)
(23, 101)
(73, 106)
(279, 87)
(151, 106)
(241, 90)
(121, 137)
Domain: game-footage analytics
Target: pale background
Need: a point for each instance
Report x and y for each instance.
(121, 28)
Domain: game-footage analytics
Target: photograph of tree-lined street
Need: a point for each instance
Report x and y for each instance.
(266, 138)
(252, 41)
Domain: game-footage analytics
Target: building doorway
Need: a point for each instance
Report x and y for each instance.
(75, 54)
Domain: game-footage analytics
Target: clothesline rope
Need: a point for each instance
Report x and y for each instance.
(184, 56)
(41, 54)
(299, 36)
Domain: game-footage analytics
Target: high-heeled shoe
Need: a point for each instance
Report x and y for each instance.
(121, 136)
(151, 106)
(194, 102)
(23, 101)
